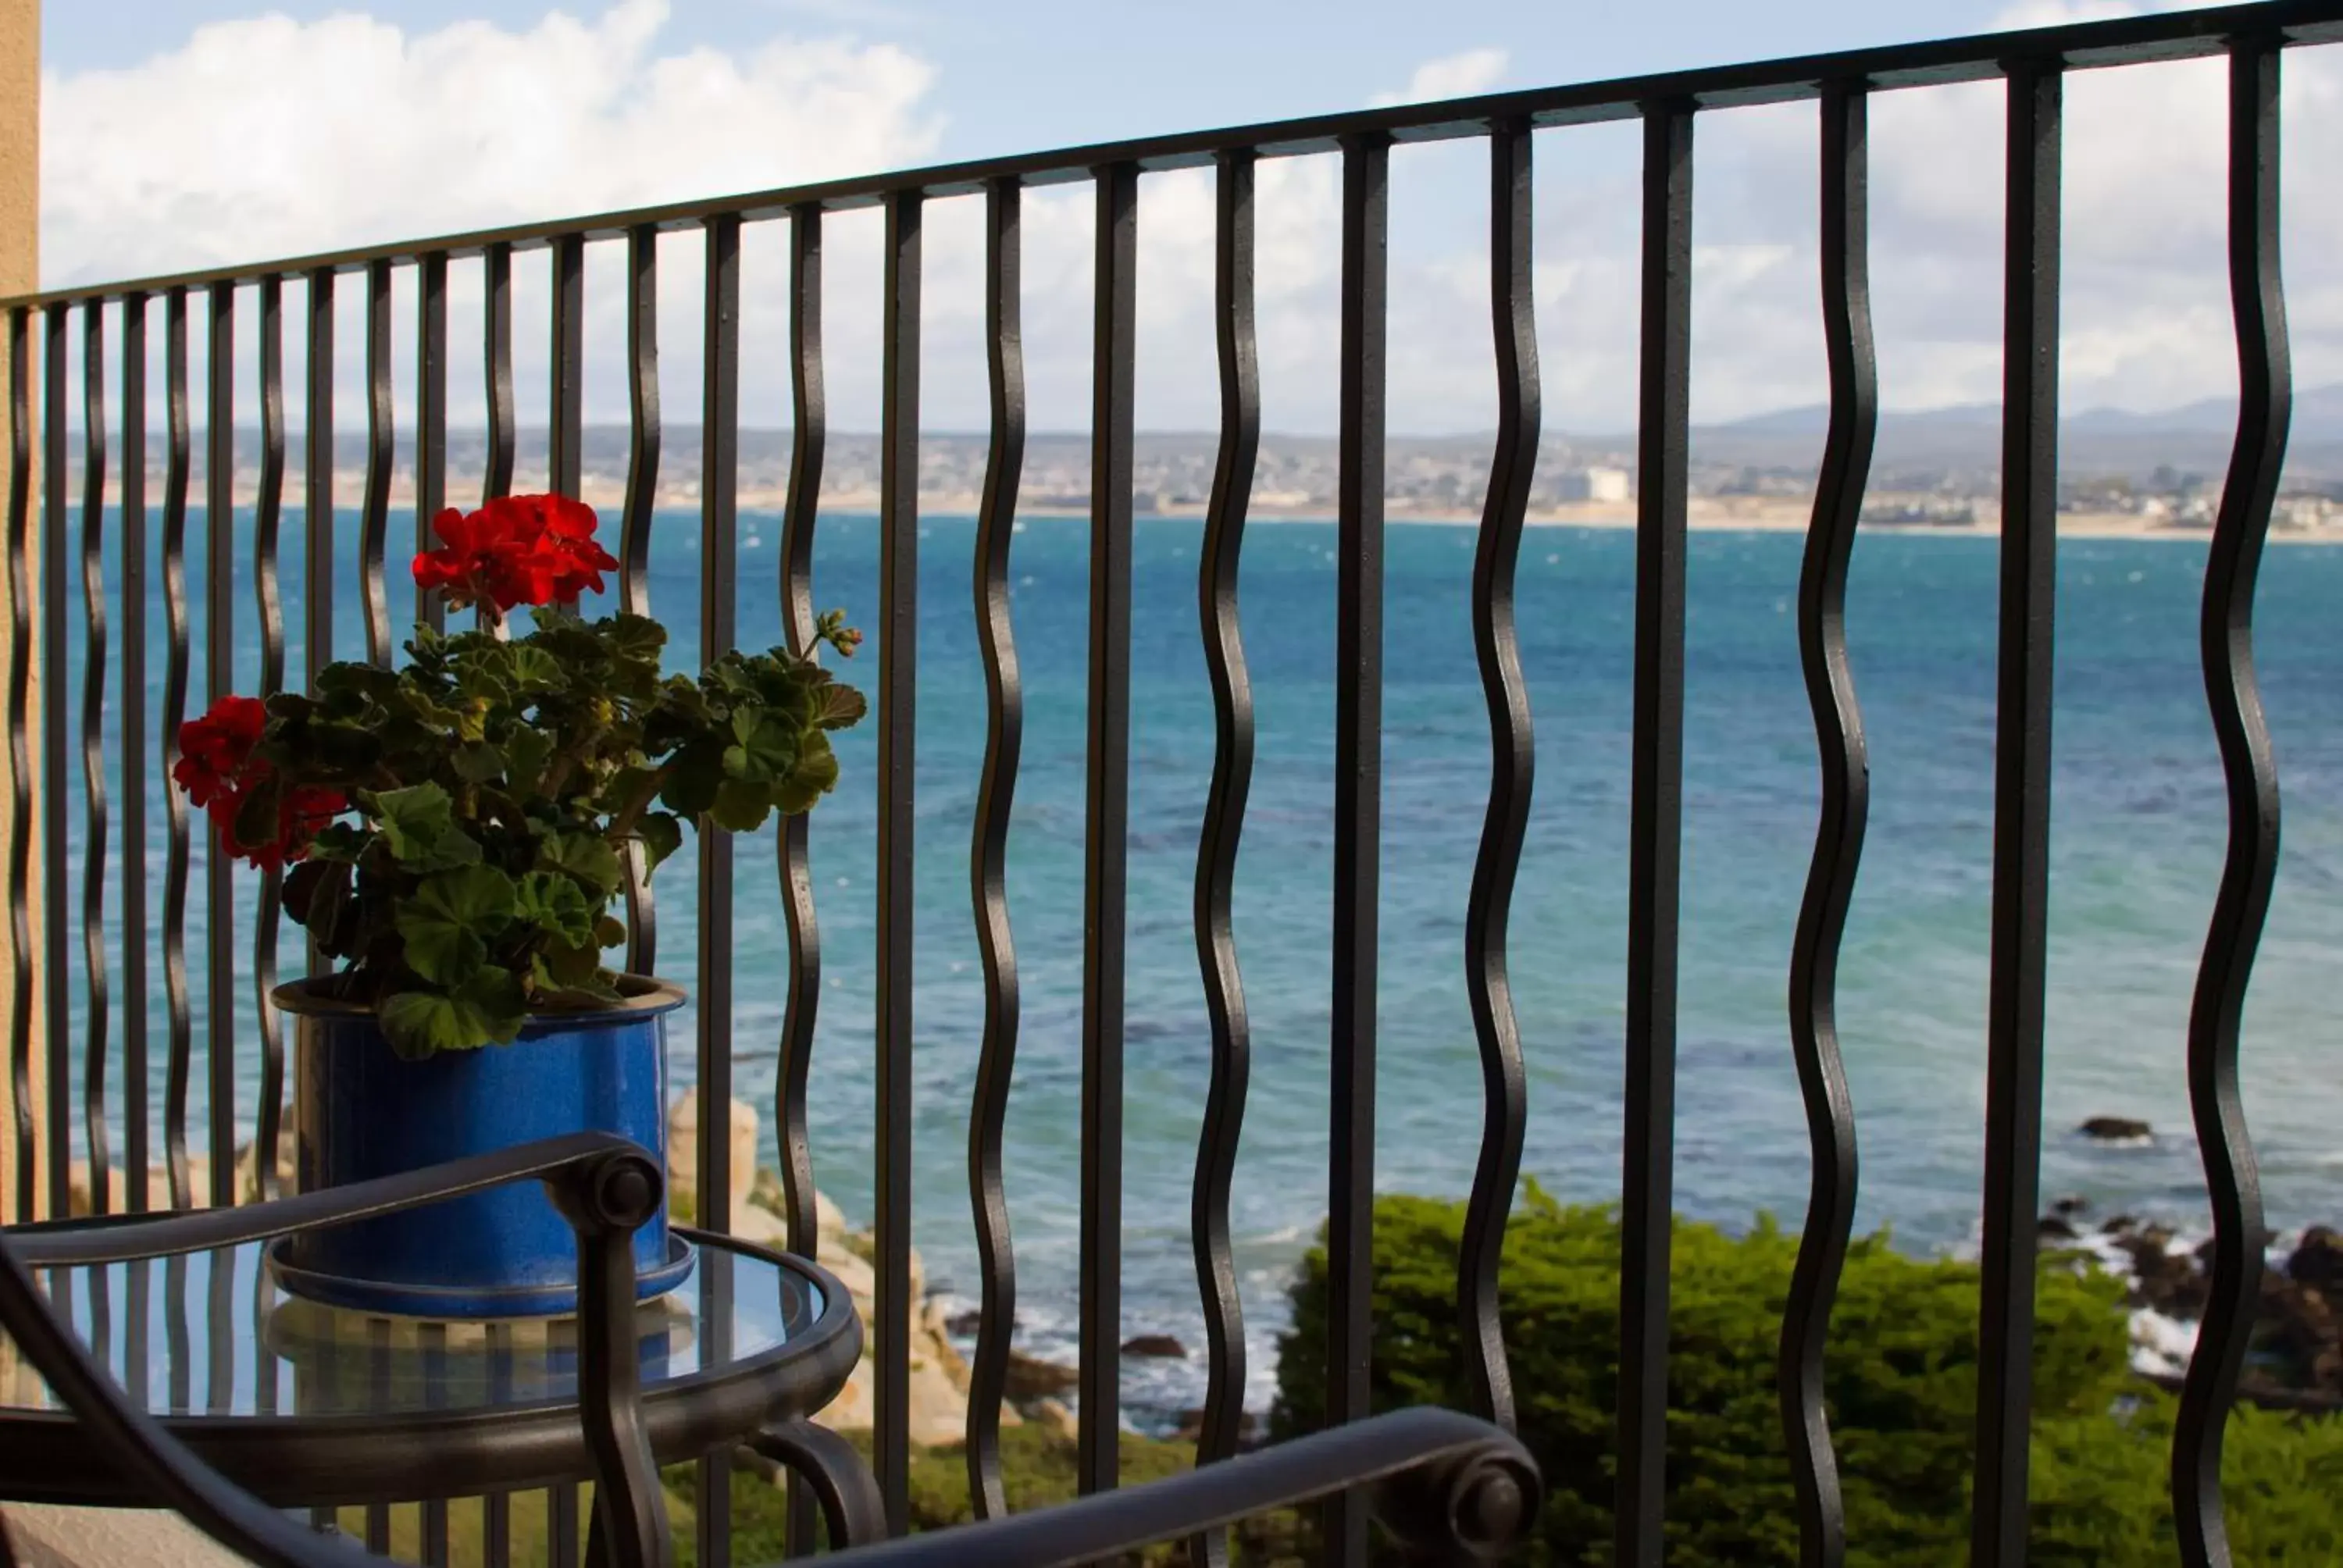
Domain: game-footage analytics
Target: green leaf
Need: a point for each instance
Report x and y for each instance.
(562, 965)
(815, 776)
(342, 841)
(448, 922)
(582, 856)
(419, 825)
(836, 706)
(633, 639)
(487, 1008)
(696, 772)
(256, 821)
(766, 751)
(608, 930)
(556, 905)
(477, 762)
(593, 990)
(661, 835)
(740, 806)
(534, 667)
(527, 752)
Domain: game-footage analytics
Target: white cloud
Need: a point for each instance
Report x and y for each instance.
(1459, 76)
(271, 136)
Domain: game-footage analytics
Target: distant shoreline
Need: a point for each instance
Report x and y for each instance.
(1705, 514)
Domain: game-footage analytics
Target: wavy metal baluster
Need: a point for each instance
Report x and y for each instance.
(2265, 410)
(495, 354)
(132, 742)
(430, 417)
(1005, 719)
(317, 496)
(1224, 825)
(1512, 764)
(803, 1001)
(268, 603)
(634, 530)
(178, 1010)
(374, 519)
(92, 751)
(1839, 836)
(20, 755)
(54, 843)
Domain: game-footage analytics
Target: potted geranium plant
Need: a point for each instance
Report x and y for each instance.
(454, 831)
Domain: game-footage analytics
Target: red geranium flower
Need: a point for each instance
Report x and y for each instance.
(215, 749)
(217, 770)
(515, 550)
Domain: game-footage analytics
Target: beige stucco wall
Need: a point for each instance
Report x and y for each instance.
(20, 171)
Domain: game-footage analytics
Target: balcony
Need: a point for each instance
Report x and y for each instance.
(1187, 886)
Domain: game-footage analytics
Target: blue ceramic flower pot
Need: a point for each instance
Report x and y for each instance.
(362, 1111)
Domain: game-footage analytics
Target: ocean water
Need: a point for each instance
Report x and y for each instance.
(2138, 838)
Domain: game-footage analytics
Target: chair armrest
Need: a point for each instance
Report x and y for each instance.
(1451, 1488)
(68, 1243)
(604, 1185)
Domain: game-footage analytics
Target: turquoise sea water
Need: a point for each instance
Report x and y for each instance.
(2137, 843)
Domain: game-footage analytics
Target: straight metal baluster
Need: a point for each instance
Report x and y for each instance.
(996, 792)
(635, 532)
(54, 817)
(318, 491)
(565, 442)
(132, 740)
(430, 415)
(374, 522)
(898, 608)
(1656, 831)
(20, 756)
(1107, 815)
(269, 603)
(431, 1347)
(1358, 809)
(719, 435)
(2233, 1182)
(93, 752)
(803, 1001)
(2021, 865)
(219, 680)
(1513, 761)
(178, 1068)
(1216, 849)
(1838, 835)
(567, 376)
(496, 1509)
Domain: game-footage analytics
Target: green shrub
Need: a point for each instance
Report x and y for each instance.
(1900, 1384)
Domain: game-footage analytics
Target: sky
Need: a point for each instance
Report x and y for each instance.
(180, 134)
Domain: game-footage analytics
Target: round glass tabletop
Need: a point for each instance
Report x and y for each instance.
(213, 1333)
(303, 1402)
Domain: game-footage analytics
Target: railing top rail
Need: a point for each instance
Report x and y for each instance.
(2082, 45)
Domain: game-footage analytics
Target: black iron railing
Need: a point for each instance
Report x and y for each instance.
(2032, 65)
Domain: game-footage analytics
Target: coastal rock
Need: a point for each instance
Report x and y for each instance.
(1053, 1416)
(683, 1148)
(1160, 1346)
(2117, 1130)
(2318, 1260)
(1030, 1377)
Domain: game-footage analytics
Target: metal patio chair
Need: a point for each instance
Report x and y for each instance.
(1450, 1488)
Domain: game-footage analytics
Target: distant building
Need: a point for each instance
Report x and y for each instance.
(1612, 485)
